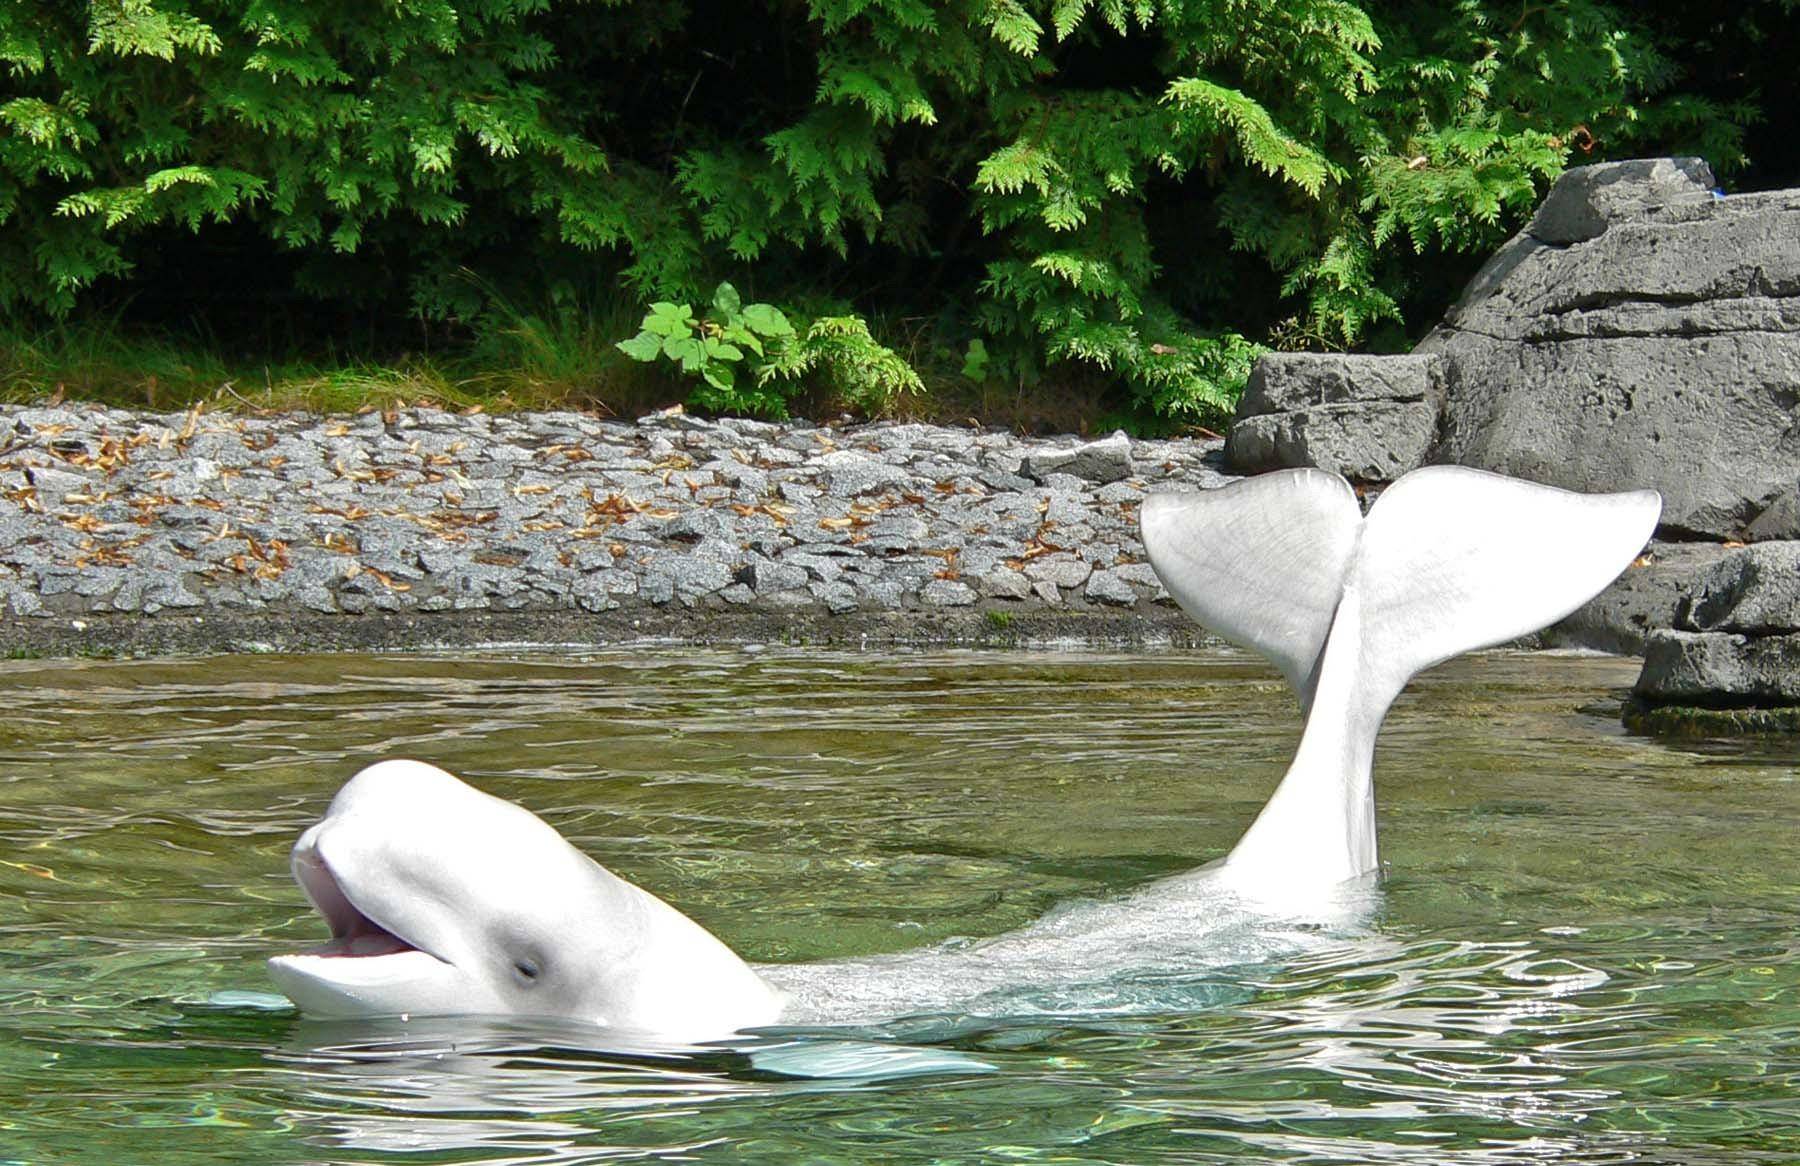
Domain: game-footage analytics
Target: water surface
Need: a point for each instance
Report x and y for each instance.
(1584, 949)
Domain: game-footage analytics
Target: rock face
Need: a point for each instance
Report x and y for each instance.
(1589, 199)
(1369, 418)
(1754, 592)
(1641, 331)
(1703, 667)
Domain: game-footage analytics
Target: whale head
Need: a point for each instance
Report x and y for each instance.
(443, 900)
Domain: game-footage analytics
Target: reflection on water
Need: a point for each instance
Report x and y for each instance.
(1585, 949)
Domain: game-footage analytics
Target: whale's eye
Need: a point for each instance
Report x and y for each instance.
(527, 969)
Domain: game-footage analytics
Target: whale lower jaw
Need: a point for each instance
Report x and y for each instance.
(413, 984)
(442, 900)
(406, 982)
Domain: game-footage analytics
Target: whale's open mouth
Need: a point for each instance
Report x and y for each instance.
(354, 933)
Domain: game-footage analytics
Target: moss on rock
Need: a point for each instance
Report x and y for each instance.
(1677, 720)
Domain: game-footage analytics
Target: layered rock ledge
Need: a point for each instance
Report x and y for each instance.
(1732, 660)
(1642, 330)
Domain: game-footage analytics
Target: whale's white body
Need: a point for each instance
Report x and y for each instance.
(444, 900)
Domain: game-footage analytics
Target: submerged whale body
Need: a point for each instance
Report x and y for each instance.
(443, 900)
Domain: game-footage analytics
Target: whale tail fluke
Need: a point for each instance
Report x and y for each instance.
(1453, 559)
(1260, 562)
(1349, 608)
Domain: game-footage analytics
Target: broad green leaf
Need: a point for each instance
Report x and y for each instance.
(726, 302)
(766, 320)
(689, 350)
(645, 346)
(738, 334)
(666, 319)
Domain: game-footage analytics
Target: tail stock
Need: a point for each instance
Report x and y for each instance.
(1349, 608)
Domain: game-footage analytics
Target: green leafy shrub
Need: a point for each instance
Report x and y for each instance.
(733, 335)
(835, 354)
(1148, 192)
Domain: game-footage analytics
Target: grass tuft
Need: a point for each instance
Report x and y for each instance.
(516, 361)
(561, 354)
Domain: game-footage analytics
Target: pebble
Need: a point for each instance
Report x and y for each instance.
(115, 511)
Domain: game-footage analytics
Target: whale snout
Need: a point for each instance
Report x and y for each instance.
(369, 967)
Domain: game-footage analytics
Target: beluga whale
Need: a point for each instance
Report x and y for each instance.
(444, 900)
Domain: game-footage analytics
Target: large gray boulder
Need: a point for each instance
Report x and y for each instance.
(1720, 668)
(1735, 646)
(1588, 199)
(1369, 418)
(1755, 591)
(1641, 331)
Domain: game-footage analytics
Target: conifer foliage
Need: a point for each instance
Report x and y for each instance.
(1150, 188)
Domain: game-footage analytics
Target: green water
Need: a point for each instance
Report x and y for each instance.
(1585, 949)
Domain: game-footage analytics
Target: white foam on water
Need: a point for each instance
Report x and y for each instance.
(1161, 949)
